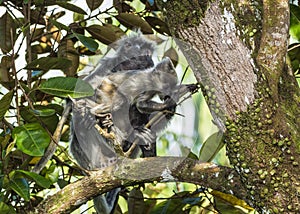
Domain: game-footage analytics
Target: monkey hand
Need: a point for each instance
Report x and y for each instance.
(142, 136)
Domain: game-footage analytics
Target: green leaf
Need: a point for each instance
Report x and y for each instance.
(38, 179)
(71, 7)
(88, 42)
(6, 209)
(106, 34)
(211, 147)
(62, 183)
(94, 4)
(21, 187)
(47, 63)
(67, 50)
(32, 139)
(193, 156)
(173, 206)
(136, 203)
(67, 86)
(59, 25)
(5, 103)
(295, 21)
(43, 112)
(7, 32)
(132, 21)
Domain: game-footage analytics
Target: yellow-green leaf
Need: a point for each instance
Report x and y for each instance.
(71, 7)
(211, 147)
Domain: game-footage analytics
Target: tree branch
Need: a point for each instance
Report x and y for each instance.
(273, 45)
(128, 172)
(53, 144)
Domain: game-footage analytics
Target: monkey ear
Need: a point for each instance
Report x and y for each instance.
(165, 65)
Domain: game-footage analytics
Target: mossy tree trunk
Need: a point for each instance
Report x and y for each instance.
(237, 50)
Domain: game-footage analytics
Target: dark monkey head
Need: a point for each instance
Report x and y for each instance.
(134, 53)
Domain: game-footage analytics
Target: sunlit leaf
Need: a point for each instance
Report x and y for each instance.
(88, 42)
(71, 7)
(32, 139)
(47, 63)
(134, 21)
(38, 179)
(7, 32)
(227, 202)
(67, 86)
(5, 103)
(94, 4)
(21, 187)
(211, 147)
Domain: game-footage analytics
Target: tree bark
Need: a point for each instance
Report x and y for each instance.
(237, 50)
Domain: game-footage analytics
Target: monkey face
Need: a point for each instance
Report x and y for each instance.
(135, 53)
(137, 62)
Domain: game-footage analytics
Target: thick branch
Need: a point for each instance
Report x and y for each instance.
(273, 45)
(129, 172)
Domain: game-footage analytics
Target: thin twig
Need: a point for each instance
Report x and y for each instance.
(53, 144)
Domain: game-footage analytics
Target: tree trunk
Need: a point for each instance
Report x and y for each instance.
(237, 50)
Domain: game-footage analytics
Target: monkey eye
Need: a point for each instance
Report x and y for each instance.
(148, 52)
(127, 45)
(167, 97)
